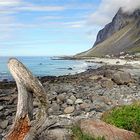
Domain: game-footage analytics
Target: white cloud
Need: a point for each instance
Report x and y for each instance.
(74, 24)
(9, 2)
(108, 8)
(30, 7)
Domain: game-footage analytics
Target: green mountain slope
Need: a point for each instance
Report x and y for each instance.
(121, 35)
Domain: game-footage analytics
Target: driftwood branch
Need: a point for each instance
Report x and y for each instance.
(24, 128)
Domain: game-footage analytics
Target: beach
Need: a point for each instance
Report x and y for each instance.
(73, 97)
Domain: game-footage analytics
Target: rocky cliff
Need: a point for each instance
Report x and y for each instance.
(121, 35)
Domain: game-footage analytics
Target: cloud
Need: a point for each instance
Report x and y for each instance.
(108, 8)
(9, 2)
(74, 24)
(30, 7)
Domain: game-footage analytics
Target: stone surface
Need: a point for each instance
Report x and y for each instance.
(61, 97)
(95, 98)
(106, 83)
(84, 106)
(1, 107)
(70, 102)
(109, 73)
(4, 124)
(58, 134)
(73, 98)
(98, 128)
(69, 109)
(121, 78)
(79, 101)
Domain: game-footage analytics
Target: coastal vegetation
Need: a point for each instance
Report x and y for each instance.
(125, 117)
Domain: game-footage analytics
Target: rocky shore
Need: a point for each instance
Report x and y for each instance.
(74, 97)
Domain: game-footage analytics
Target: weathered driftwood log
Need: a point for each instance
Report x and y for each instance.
(24, 128)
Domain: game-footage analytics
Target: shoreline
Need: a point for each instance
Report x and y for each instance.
(74, 97)
(102, 61)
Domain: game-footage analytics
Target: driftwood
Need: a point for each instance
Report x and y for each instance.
(24, 127)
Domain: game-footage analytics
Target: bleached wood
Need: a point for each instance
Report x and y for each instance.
(28, 85)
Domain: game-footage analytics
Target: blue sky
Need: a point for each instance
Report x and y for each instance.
(52, 27)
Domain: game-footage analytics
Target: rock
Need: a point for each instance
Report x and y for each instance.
(1, 108)
(121, 78)
(1, 137)
(117, 62)
(50, 111)
(58, 134)
(96, 77)
(55, 107)
(73, 98)
(98, 128)
(61, 97)
(84, 106)
(69, 102)
(70, 69)
(100, 107)
(64, 105)
(107, 83)
(4, 124)
(79, 101)
(0, 131)
(69, 110)
(109, 73)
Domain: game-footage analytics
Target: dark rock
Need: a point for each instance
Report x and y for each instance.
(70, 69)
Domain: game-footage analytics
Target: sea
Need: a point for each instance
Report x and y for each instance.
(47, 66)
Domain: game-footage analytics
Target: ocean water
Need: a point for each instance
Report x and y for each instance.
(46, 66)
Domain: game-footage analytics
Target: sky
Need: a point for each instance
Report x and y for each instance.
(54, 27)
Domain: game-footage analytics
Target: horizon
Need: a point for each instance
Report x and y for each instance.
(54, 28)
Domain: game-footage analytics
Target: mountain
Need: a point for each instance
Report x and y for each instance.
(121, 35)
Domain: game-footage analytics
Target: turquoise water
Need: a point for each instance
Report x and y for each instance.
(45, 66)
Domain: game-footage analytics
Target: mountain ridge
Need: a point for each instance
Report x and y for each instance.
(122, 34)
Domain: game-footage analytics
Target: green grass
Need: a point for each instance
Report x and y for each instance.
(79, 135)
(126, 117)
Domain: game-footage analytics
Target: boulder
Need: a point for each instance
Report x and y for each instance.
(97, 128)
(121, 78)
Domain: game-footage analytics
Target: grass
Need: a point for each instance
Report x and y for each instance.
(79, 135)
(126, 117)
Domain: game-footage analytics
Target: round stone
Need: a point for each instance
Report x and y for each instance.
(79, 101)
(69, 102)
(69, 110)
(4, 124)
(84, 106)
(61, 97)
